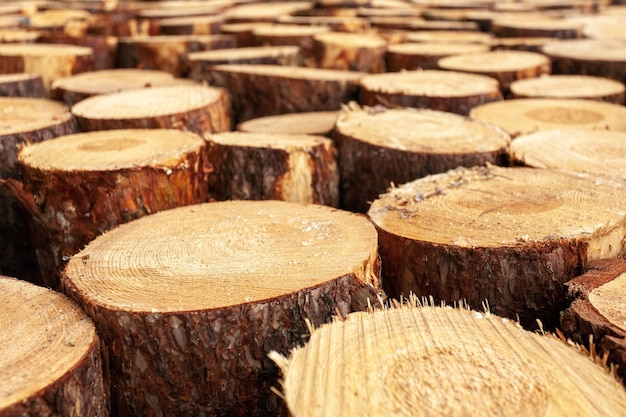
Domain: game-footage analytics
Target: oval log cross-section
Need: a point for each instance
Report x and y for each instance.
(569, 86)
(303, 123)
(190, 301)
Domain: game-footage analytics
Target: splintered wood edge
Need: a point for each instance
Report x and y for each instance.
(423, 361)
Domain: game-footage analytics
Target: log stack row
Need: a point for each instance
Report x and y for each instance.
(210, 182)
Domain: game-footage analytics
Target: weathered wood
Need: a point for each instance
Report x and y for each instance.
(304, 123)
(50, 357)
(363, 52)
(450, 91)
(425, 55)
(22, 85)
(380, 147)
(267, 166)
(528, 115)
(194, 108)
(190, 301)
(510, 236)
(569, 86)
(429, 361)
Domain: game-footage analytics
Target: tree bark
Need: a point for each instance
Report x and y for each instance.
(222, 284)
(569, 86)
(350, 52)
(433, 361)
(50, 357)
(22, 85)
(201, 63)
(510, 236)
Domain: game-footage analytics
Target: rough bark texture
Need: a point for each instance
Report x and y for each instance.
(581, 320)
(201, 63)
(22, 85)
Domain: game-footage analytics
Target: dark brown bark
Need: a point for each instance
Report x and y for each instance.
(201, 63)
(22, 85)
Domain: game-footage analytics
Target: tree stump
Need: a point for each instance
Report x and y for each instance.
(596, 313)
(78, 87)
(425, 55)
(568, 87)
(432, 361)
(449, 91)
(504, 66)
(22, 85)
(50, 357)
(602, 58)
(167, 53)
(23, 121)
(350, 51)
(452, 36)
(190, 301)
(202, 62)
(267, 166)
(528, 115)
(47, 60)
(266, 90)
(305, 123)
(536, 27)
(194, 108)
(508, 236)
(191, 25)
(79, 186)
(382, 147)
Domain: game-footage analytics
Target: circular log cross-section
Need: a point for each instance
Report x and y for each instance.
(195, 108)
(202, 62)
(569, 86)
(600, 152)
(382, 147)
(304, 123)
(266, 166)
(425, 55)
(510, 236)
(350, 51)
(431, 361)
(536, 27)
(81, 185)
(190, 301)
(50, 358)
(450, 91)
(22, 85)
(596, 312)
(504, 66)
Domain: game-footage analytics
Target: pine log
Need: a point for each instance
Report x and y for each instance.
(568, 87)
(452, 36)
(202, 62)
(528, 115)
(79, 186)
(22, 85)
(350, 51)
(406, 23)
(167, 53)
(432, 361)
(380, 147)
(520, 44)
(266, 90)
(504, 66)
(268, 166)
(596, 312)
(602, 58)
(528, 27)
(425, 55)
(50, 357)
(194, 108)
(445, 25)
(191, 25)
(18, 35)
(608, 29)
(449, 91)
(508, 236)
(23, 121)
(335, 23)
(190, 301)
(102, 46)
(47, 60)
(264, 11)
(292, 35)
(304, 123)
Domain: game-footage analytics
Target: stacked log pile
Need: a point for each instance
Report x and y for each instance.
(473, 146)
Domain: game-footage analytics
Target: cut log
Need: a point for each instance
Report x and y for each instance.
(47, 60)
(294, 35)
(22, 85)
(596, 313)
(425, 55)
(363, 52)
(429, 361)
(23, 121)
(380, 147)
(305, 123)
(167, 53)
(50, 357)
(202, 62)
(194, 108)
(568, 87)
(453, 36)
(335, 23)
(242, 32)
(263, 12)
(510, 236)
(79, 186)
(266, 90)
(529, 27)
(405, 23)
(602, 58)
(520, 44)
(190, 301)
(528, 115)
(504, 66)
(14, 35)
(191, 25)
(449, 91)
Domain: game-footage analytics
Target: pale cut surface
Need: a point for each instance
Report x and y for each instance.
(609, 298)
(235, 54)
(43, 336)
(570, 86)
(428, 361)
(221, 254)
(607, 50)
(112, 150)
(267, 140)
(484, 62)
(21, 115)
(292, 72)
(313, 123)
(109, 81)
